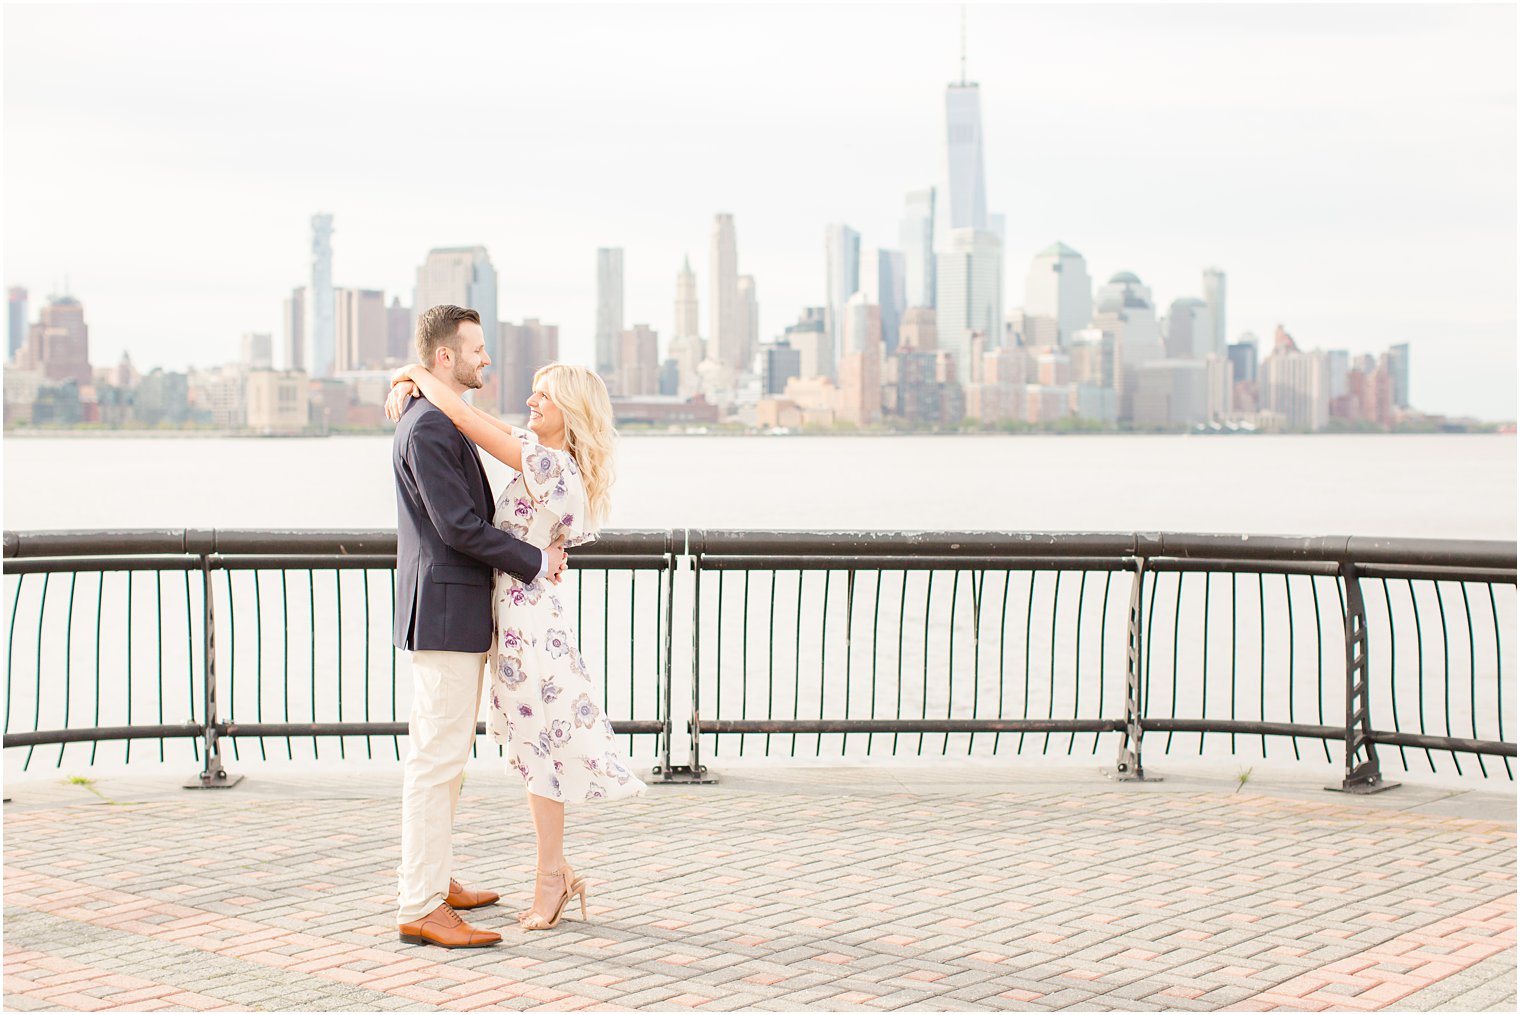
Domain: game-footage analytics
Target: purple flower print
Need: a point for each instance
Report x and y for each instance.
(560, 732)
(557, 642)
(559, 766)
(511, 671)
(511, 638)
(567, 521)
(523, 508)
(526, 711)
(516, 596)
(615, 768)
(585, 711)
(541, 746)
(559, 491)
(595, 792)
(591, 764)
(548, 690)
(540, 465)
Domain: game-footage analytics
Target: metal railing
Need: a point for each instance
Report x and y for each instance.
(849, 644)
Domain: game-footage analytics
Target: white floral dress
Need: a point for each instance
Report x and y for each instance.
(544, 708)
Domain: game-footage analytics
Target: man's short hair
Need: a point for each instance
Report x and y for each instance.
(438, 326)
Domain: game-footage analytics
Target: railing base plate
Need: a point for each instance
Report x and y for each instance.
(683, 775)
(221, 780)
(1362, 788)
(1140, 775)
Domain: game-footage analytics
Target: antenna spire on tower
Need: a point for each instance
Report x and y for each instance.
(963, 44)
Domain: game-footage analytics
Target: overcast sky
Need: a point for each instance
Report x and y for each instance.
(1351, 168)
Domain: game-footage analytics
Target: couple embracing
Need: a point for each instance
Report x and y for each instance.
(477, 610)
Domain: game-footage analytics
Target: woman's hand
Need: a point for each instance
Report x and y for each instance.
(404, 375)
(402, 391)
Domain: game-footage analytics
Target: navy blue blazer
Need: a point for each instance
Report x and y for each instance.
(446, 546)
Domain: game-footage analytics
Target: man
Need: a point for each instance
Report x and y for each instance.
(446, 548)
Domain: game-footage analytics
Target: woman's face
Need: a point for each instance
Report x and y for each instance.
(544, 417)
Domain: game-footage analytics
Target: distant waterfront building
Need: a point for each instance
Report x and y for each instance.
(860, 366)
(1398, 367)
(1058, 288)
(461, 277)
(1243, 358)
(1171, 392)
(362, 329)
(1126, 310)
(726, 327)
(277, 401)
(883, 283)
(749, 320)
(1221, 389)
(59, 343)
(1094, 355)
(293, 331)
(321, 329)
(917, 240)
(638, 359)
(525, 348)
(16, 333)
(1295, 384)
(1338, 370)
(963, 147)
(257, 351)
(1190, 330)
(969, 300)
(400, 343)
(1214, 296)
(609, 309)
(780, 363)
(919, 330)
(841, 253)
(686, 302)
(217, 396)
(162, 397)
(809, 336)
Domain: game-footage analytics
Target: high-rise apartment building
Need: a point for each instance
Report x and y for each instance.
(919, 330)
(917, 239)
(461, 277)
(638, 360)
(883, 283)
(293, 328)
(860, 364)
(779, 364)
(1126, 309)
(321, 308)
(841, 254)
(16, 333)
(1295, 384)
(963, 136)
(1243, 358)
(1059, 289)
(809, 336)
(609, 309)
(726, 327)
(969, 298)
(362, 329)
(1213, 295)
(1190, 330)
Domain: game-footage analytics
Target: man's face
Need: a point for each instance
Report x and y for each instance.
(471, 360)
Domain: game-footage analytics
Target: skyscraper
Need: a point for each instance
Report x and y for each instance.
(462, 277)
(1190, 330)
(16, 335)
(1213, 295)
(963, 135)
(60, 341)
(725, 331)
(841, 251)
(1398, 366)
(686, 302)
(638, 360)
(917, 239)
(525, 348)
(609, 309)
(320, 331)
(1295, 383)
(1058, 288)
(882, 281)
(362, 329)
(749, 319)
(860, 362)
(399, 340)
(293, 320)
(969, 295)
(257, 351)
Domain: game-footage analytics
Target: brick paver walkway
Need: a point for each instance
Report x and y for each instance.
(784, 887)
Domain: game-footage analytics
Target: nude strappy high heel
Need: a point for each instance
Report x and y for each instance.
(574, 886)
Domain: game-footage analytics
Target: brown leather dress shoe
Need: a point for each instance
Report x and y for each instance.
(460, 897)
(444, 928)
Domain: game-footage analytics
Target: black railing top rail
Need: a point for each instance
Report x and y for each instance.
(279, 542)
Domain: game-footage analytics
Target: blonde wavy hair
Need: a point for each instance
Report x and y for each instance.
(589, 434)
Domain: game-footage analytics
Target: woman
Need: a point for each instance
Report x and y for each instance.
(544, 707)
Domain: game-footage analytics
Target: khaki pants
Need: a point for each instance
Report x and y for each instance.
(445, 704)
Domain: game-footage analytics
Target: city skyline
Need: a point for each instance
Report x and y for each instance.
(1313, 263)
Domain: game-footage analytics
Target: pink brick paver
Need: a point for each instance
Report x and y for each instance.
(812, 897)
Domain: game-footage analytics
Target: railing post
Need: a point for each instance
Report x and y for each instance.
(214, 774)
(1129, 767)
(1363, 774)
(693, 771)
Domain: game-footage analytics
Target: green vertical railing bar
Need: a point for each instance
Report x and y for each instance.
(1445, 672)
(1288, 596)
(1393, 671)
(823, 654)
(1319, 656)
(369, 741)
(1108, 581)
(1050, 694)
(955, 587)
(978, 582)
(923, 698)
(875, 632)
(231, 709)
(338, 669)
(129, 663)
(1261, 603)
(849, 635)
(1204, 710)
(68, 659)
(1472, 660)
(9, 655)
(100, 609)
(37, 695)
(1028, 630)
(1176, 628)
(258, 660)
(1499, 674)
